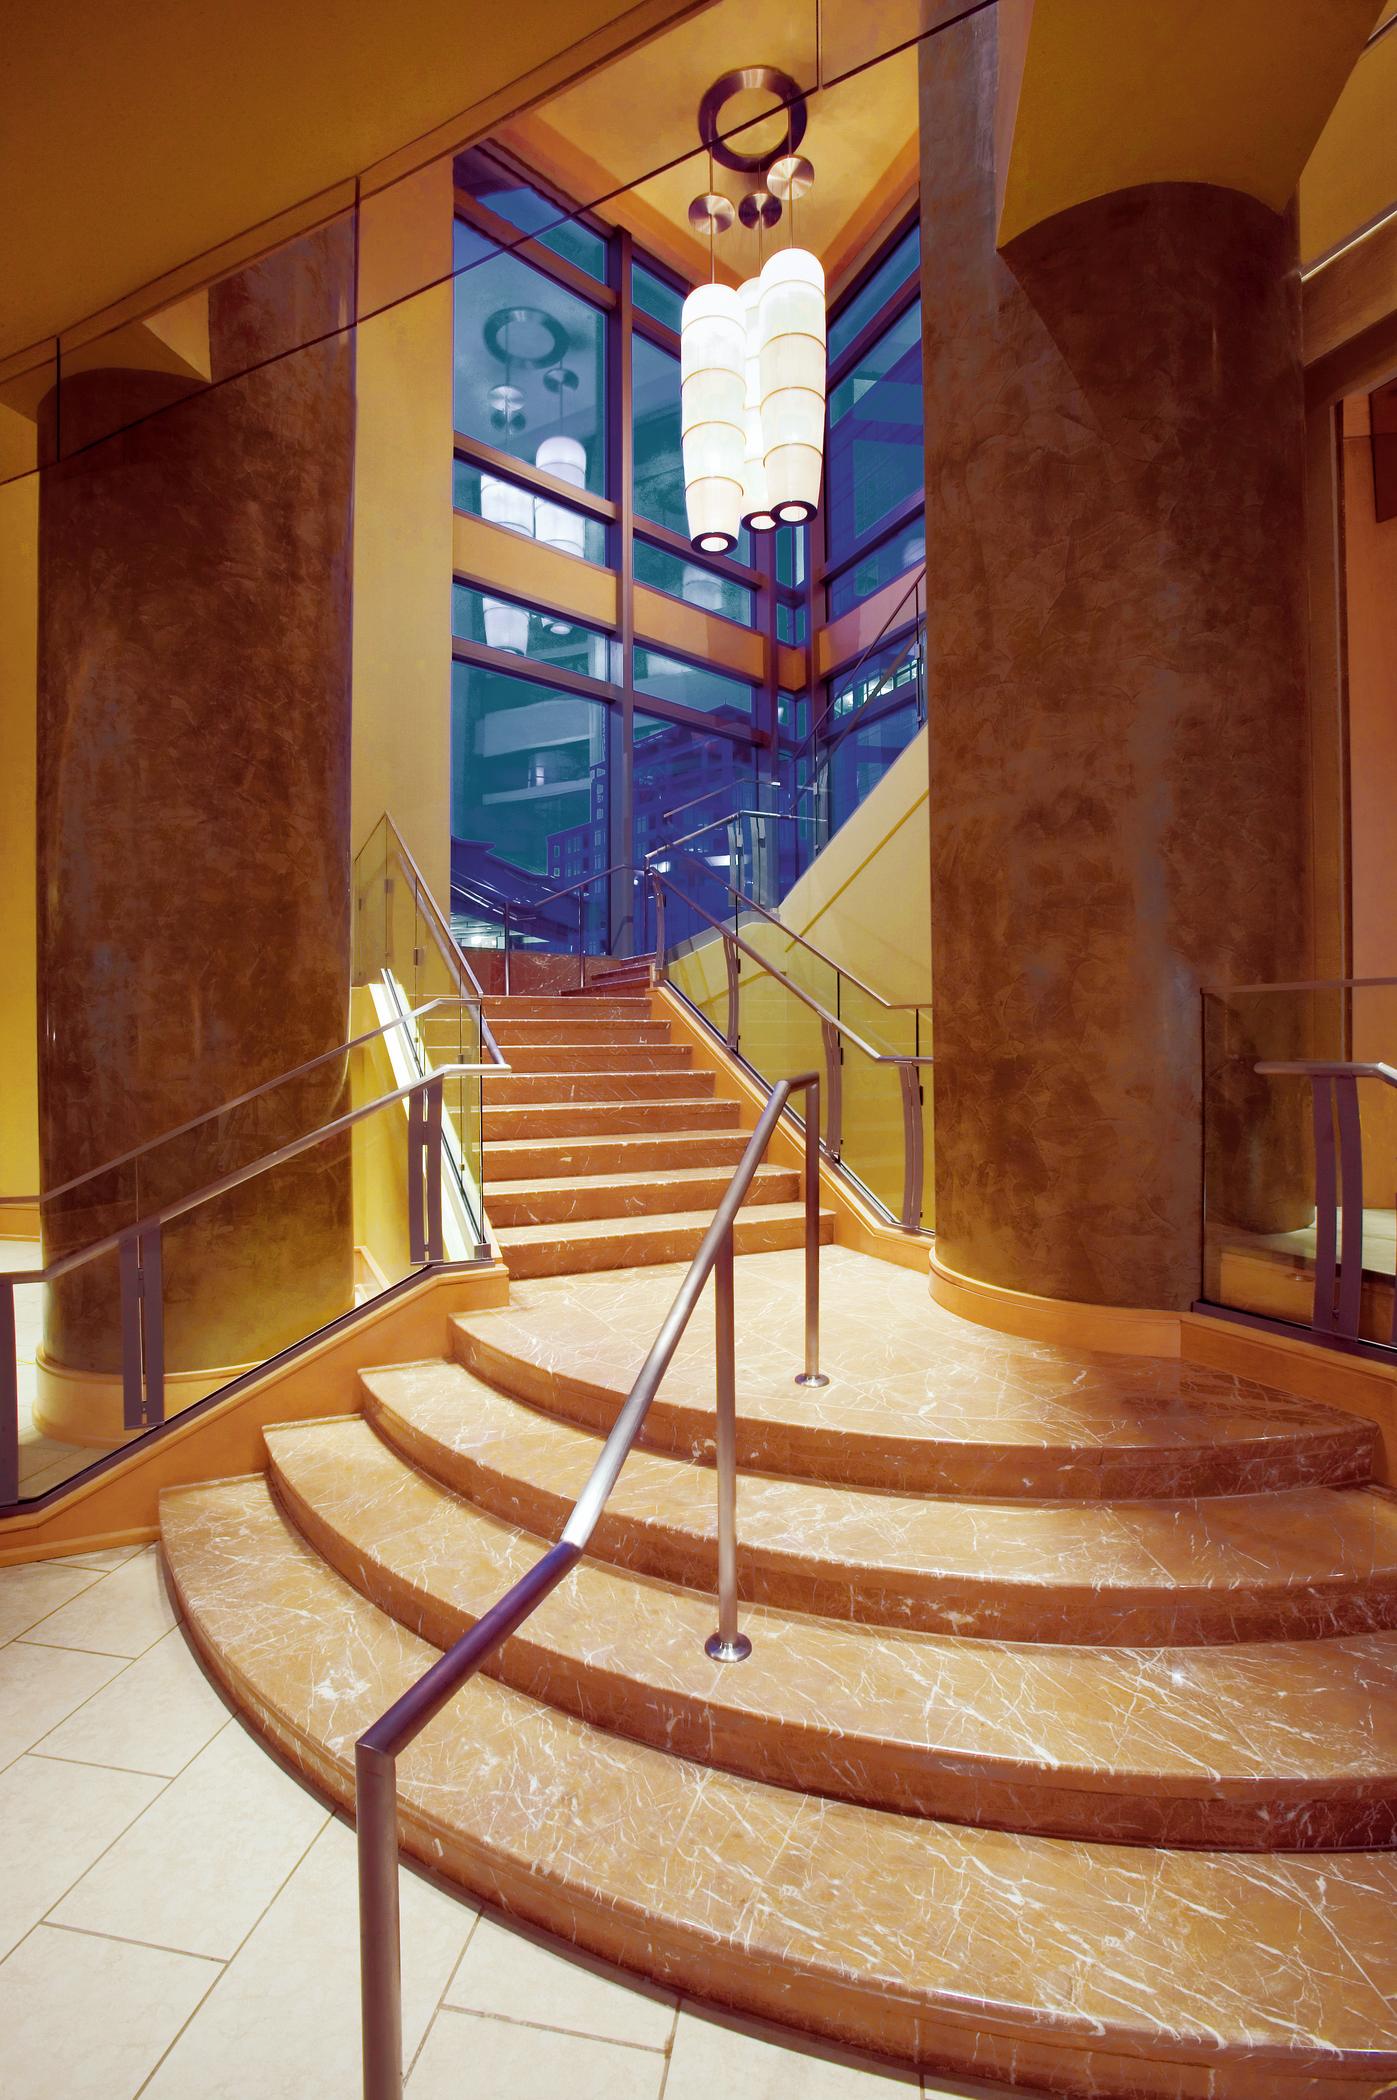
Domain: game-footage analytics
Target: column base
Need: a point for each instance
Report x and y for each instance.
(74, 1406)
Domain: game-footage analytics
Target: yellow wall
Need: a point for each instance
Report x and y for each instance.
(19, 1079)
(402, 523)
(1098, 97)
(1351, 176)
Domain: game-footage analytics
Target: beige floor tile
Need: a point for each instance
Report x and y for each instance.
(282, 2023)
(495, 2060)
(505, 1973)
(123, 1613)
(714, 2056)
(105, 1557)
(31, 1591)
(197, 1871)
(57, 1819)
(158, 1714)
(40, 1686)
(88, 2019)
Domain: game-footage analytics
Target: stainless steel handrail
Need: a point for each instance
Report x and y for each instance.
(618, 867)
(448, 947)
(707, 796)
(167, 1137)
(139, 1251)
(892, 1006)
(377, 1751)
(834, 1031)
(1321, 1068)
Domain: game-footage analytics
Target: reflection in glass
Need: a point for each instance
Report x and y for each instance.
(696, 686)
(899, 555)
(492, 184)
(530, 364)
(696, 585)
(656, 298)
(505, 503)
(875, 458)
(549, 638)
(529, 800)
(875, 291)
(659, 460)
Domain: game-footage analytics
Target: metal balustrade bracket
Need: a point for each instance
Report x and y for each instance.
(834, 1081)
(141, 1272)
(733, 966)
(912, 1148)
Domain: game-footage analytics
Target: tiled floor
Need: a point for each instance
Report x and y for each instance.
(177, 1913)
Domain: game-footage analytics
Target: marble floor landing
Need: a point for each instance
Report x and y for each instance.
(177, 1911)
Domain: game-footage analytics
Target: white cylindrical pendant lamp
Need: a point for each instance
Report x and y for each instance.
(756, 511)
(713, 391)
(506, 626)
(792, 315)
(557, 524)
(505, 503)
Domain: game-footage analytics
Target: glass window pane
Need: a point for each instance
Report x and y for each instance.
(517, 509)
(521, 630)
(699, 778)
(530, 365)
(532, 212)
(696, 585)
(659, 462)
(857, 757)
(529, 783)
(653, 296)
(875, 460)
(896, 664)
(691, 685)
(876, 290)
(905, 551)
(790, 623)
(791, 544)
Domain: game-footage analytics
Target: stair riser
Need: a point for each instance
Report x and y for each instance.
(753, 1233)
(584, 1057)
(594, 1034)
(930, 1603)
(506, 1162)
(916, 1466)
(626, 1200)
(1237, 1815)
(524, 1087)
(621, 1008)
(520, 1120)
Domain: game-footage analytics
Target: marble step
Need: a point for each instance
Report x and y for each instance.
(576, 1006)
(524, 1159)
(573, 1196)
(537, 1119)
(1295, 1564)
(567, 1029)
(1072, 1965)
(575, 1245)
(627, 1056)
(919, 1401)
(624, 1083)
(1263, 1747)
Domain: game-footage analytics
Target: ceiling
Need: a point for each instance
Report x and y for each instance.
(861, 136)
(135, 136)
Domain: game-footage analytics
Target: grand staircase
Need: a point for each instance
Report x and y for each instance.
(1066, 1753)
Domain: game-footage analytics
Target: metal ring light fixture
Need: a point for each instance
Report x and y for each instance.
(722, 91)
(506, 317)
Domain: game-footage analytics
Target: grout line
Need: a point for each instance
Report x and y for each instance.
(130, 1939)
(576, 2034)
(102, 1764)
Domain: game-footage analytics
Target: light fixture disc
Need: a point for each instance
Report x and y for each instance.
(711, 212)
(790, 177)
(759, 208)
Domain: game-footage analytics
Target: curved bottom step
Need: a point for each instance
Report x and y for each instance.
(1089, 1969)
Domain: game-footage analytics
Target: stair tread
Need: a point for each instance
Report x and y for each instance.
(919, 1400)
(642, 1178)
(630, 1226)
(1236, 1745)
(1280, 1967)
(629, 1195)
(1213, 1568)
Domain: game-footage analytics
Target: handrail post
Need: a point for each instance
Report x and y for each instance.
(582, 940)
(733, 967)
(506, 947)
(141, 1274)
(727, 1644)
(435, 1090)
(9, 1398)
(380, 1947)
(812, 1374)
(658, 887)
(912, 1146)
(834, 1127)
(416, 1148)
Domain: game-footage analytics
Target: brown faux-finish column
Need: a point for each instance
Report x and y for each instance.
(1115, 555)
(194, 805)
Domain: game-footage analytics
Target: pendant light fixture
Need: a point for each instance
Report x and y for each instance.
(565, 458)
(713, 395)
(792, 361)
(754, 450)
